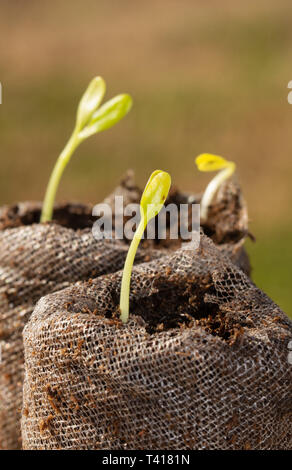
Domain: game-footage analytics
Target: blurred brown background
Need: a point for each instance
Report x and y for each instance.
(205, 77)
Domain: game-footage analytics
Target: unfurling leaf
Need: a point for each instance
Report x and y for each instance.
(90, 101)
(107, 115)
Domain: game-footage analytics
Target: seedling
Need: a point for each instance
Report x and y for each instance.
(91, 119)
(152, 200)
(208, 162)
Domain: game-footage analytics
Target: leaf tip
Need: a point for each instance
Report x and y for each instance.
(209, 162)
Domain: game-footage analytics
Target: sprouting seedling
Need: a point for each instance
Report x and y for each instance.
(208, 162)
(91, 119)
(152, 200)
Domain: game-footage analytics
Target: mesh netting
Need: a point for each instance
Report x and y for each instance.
(202, 363)
(38, 259)
(35, 260)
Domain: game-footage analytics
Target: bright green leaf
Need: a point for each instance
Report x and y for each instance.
(209, 162)
(90, 101)
(152, 200)
(155, 193)
(108, 115)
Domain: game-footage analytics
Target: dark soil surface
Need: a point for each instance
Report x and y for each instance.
(71, 215)
(176, 302)
(223, 224)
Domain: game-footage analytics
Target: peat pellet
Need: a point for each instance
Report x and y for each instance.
(202, 363)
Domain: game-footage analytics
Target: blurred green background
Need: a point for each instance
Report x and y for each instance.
(205, 77)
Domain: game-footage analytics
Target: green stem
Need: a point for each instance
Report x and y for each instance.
(48, 205)
(126, 279)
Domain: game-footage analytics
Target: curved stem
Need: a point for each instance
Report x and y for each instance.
(48, 205)
(126, 279)
(213, 187)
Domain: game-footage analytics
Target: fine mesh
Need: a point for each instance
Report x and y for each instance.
(35, 260)
(38, 259)
(202, 363)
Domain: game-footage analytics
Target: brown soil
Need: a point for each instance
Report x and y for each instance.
(177, 302)
(181, 303)
(71, 215)
(223, 225)
(132, 194)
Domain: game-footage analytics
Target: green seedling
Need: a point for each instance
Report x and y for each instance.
(91, 119)
(208, 162)
(152, 200)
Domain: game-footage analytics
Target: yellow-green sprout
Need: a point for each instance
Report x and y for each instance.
(152, 200)
(208, 162)
(90, 119)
